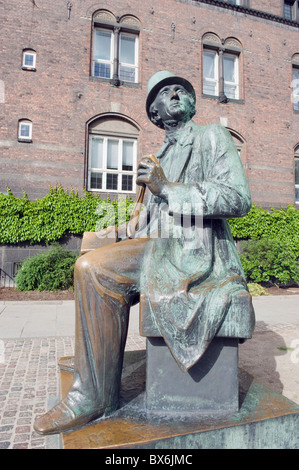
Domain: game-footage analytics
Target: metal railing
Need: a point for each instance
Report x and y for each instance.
(6, 280)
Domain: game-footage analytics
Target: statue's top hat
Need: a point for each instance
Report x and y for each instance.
(161, 79)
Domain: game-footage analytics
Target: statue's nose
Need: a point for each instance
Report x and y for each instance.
(174, 96)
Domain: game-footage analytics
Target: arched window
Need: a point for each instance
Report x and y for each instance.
(115, 47)
(29, 59)
(295, 82)
(297, 174)
(221, 67)
(25, 130)
(112, 154)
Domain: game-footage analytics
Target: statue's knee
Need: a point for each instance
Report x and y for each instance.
(82, 265)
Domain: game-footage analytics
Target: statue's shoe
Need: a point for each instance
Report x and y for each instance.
(62, 417)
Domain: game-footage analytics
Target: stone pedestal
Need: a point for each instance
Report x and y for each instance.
(210, 386)
(265, 420)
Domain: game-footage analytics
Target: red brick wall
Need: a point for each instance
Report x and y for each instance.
(49, 96)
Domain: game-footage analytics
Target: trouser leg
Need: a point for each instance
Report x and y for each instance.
(106, 281)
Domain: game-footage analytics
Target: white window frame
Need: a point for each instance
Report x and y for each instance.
(29, 53)
(113, 53)
(103, 61)
(136, 52)
(295, 86)
(214, 80)
(104, 171)
(21, 137)
(294, 7)
(236, 83)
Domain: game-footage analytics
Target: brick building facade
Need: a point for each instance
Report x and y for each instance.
(74, 84)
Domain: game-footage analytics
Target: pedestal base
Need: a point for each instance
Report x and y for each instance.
(265, 420)
(211, 385)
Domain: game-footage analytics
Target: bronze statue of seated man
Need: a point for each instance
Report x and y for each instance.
(186, 275)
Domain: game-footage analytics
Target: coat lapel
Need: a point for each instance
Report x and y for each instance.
(184, 149)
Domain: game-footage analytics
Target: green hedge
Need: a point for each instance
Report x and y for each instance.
(50, 271)
(271, 252)
(57, 214)
(260, 223)
(61, 212)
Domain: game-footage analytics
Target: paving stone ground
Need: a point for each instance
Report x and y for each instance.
(29, 374)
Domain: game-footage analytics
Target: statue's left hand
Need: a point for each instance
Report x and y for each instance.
(150, 173)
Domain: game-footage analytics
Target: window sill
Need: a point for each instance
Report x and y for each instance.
(110, 81)
(25, 141)
(29, 69)
(216, 98)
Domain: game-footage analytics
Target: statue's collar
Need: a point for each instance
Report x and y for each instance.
(183, 135)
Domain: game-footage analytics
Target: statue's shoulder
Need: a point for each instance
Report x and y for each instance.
(209, 131)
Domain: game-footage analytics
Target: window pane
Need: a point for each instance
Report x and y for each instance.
(127, 163)
(297, 170)
(229, 69)
(112, 154)
(96, 180)
(297, 194)
(127, 74)
(96, 160)
(127, 183)
(102, 70)
(209, 69)
(230, 91)
(111, 182)
(288, 10)
(210, 87)
(102, 45)
(295, 86)
(24, 130)
(127, 49)
(28, 60)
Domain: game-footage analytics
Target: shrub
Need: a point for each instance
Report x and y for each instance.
(57, 214)
(269, 261)
(51, 271)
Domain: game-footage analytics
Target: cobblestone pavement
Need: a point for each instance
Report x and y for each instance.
(29, 375)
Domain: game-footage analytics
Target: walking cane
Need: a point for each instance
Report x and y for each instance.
(133, 222)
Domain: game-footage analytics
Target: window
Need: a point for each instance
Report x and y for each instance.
(221, 68)
(25, 131)
(297, 175)
(112, 155)
(295, 82)
(29, 60)
(115, 48)
(291, 10)
(231, 76)
(210, 73)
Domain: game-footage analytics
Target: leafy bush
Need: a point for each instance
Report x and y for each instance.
(260, 223)
(56, 214)
(51, 271)
(256, 289)
(269, 261)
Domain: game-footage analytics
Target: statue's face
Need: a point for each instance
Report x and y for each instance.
(173, 103)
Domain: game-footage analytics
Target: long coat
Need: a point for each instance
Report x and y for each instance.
(190, 273)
